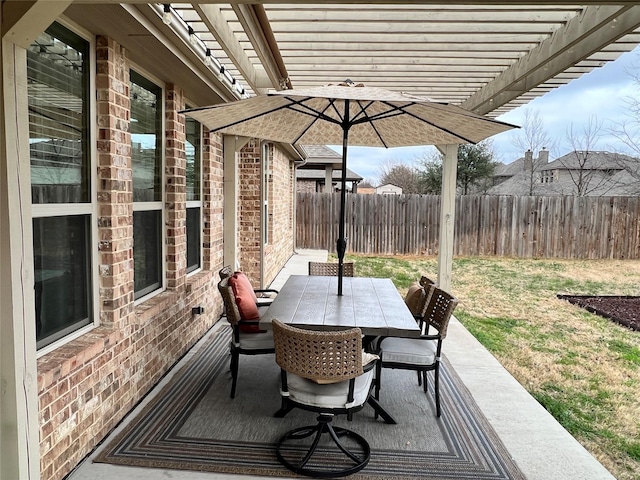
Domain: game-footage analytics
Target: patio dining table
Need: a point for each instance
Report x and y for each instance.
(372, 304)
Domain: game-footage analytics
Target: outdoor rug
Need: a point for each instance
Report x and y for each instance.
(192, 424)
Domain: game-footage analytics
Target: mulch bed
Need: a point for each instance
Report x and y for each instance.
(622, 309)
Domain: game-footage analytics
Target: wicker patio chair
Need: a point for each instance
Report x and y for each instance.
(330, 269)
(421, 354)
(322, 371)
(242, 343)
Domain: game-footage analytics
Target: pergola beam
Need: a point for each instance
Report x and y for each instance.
(584, 35)
(263, 43)
(23, 24)
(215, 22)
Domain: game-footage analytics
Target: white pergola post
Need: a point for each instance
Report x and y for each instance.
(328, 179)
(447, 214)
(19, 438)
(231, 145)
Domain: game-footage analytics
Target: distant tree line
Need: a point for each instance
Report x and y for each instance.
(476, 167)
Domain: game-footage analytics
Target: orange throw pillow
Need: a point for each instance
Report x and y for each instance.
(246, 300)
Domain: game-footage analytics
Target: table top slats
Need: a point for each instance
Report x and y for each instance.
(372, 304)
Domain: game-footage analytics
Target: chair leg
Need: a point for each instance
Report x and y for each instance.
(358, 460)
(425, 381)
(235, 359)
(437, 388)
(419, 378)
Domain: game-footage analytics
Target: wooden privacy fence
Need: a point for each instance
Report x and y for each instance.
(527, 226)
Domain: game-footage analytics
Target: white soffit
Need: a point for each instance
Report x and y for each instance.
(488, 58)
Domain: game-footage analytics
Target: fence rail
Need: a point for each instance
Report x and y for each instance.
(526, 227)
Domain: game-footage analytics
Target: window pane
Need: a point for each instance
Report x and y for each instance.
(193, 239)
(147, 251)
(62, 276)
(192, 151)
(57, 88)
(146, 138)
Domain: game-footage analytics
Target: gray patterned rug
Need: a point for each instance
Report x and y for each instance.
(192, 424)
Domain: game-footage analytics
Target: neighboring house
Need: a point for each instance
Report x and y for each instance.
(581, 173)
(388, 189)
(520, 176)
(323, 163)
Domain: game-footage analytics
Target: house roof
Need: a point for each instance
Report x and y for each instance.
(596, 160)
(321, 155)
(509, 169)
(319, 174)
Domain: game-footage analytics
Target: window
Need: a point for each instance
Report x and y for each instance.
(146, 158)
(193, 152)
(58, 90)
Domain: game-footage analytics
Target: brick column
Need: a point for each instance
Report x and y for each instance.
(115, 183)
(176, 195)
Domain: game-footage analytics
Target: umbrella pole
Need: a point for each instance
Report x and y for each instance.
(341, 246)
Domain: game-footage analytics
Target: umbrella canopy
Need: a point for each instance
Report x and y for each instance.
(348, 114)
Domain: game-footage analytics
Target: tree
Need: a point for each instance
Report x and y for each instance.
(366, 183)
(431, 175)
(534, 138)
(628, 133)
(400, 175)
(476, 167)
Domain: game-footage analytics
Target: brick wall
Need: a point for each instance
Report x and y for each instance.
(86, 386)
(249, 210)
(280, 210)
(306, 186)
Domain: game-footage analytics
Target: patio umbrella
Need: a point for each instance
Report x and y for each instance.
(351, 114)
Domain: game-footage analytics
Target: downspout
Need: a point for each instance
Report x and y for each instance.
(262, 211)
(296, 164)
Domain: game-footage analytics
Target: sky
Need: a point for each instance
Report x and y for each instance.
(603, 92)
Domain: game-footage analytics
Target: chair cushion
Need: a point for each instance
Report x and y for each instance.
(413, 298)
(256, 341)
(412, 351)
(246, 301)
(334, 395)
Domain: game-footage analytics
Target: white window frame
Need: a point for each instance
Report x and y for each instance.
(90, 208)
(197, 203)
(158, 205)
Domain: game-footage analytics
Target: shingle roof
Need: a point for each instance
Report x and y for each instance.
(596, 160)
(319, 174)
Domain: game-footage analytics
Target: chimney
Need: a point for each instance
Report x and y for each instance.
(528, 161)
(543, 156)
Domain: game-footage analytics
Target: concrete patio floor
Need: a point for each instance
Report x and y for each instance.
(539, 445)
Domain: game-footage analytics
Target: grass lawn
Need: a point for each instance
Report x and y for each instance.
(584, 369)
